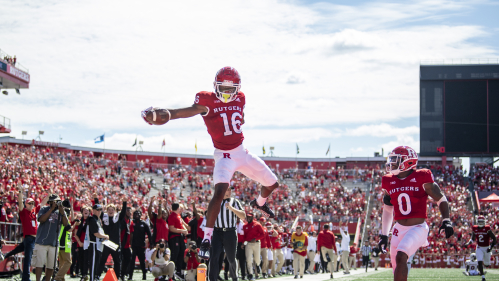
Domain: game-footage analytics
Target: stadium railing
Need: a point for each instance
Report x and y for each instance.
(11, 232)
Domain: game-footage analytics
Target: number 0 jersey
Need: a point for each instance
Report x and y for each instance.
(408, 196)
(481, 235)
(223, 120)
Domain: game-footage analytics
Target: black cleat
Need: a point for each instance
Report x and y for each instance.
(204, 249)
(265, 209)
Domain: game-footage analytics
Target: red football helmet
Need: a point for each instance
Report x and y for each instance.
(401, 159)
(480, 221)
(227, 84)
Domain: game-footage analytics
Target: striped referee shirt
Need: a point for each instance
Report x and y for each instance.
(226, 218)
(365, 250)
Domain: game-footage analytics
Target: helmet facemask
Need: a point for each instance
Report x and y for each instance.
(481, 222)
(401, 159)
(226, 91)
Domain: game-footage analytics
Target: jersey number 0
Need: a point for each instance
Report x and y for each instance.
(235, 123)
(407, 203)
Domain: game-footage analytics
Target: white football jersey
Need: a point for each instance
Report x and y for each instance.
(473, 267)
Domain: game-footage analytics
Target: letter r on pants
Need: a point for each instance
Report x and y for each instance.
(227, 155)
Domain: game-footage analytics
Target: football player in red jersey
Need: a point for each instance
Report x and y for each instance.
(482, 233)
(406, 190)
(223, 115)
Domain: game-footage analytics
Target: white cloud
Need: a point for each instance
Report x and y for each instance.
(401, 140)
(97, 64)
(382, 130)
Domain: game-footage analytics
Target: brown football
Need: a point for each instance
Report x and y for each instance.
(162, 116)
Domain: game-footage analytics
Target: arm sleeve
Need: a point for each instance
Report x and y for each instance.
(238, 205)
(387, 219)
(92, 225)
(123, 211)
(201, 99)
(306, 241)
(148, 230)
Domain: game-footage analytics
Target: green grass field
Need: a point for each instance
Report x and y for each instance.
(426, 274)
(385, 275)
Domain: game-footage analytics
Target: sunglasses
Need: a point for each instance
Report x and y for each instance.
(31, 203)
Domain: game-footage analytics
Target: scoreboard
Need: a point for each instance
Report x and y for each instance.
(459, 110)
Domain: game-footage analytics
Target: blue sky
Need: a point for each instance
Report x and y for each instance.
(314, 72)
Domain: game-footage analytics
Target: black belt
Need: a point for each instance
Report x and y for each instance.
(224, 229)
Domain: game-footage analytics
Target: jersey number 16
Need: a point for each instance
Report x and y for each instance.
(236, 124)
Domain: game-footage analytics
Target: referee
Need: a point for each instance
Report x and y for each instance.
(225, 236)
(365, 250)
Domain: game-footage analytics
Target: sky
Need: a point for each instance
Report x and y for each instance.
(315, 73)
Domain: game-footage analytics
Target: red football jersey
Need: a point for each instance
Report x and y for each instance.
(408, 196)
(481, 235)
(223, 120)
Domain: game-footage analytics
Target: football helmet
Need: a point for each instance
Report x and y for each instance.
(401, 159)
(473, 257)
(480, 221)
(227, 84)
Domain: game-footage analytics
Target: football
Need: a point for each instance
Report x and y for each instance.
(157, 116)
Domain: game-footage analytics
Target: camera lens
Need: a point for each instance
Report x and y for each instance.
(161, 245)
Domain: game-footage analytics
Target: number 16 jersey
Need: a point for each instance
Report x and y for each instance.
(223, 120)
(408, 195)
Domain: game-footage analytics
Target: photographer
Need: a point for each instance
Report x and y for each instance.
(161, 259)
(50, 218)
(192, 260)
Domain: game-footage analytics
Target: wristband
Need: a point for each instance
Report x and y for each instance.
(443, 199)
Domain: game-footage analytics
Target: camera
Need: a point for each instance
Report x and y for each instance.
(161, 245)
(295, 245)
(194, 247)
(64, 203)
(188, 254)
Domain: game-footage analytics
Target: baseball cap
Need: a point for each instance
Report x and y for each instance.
(29, 200)
(97, 207)
(262, 219)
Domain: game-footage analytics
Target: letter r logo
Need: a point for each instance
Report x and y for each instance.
(227, 155)
(395, 232)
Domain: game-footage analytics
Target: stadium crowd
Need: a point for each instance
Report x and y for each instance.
(10, 60)
(120, 198)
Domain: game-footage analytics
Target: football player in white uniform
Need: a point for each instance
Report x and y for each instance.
(471, 266)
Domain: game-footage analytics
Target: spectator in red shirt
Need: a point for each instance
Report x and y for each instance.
(327, 245)
(160, 228)
(30, 225)
(178, 231)
(192, 261)
(253, 234)
(352, 259)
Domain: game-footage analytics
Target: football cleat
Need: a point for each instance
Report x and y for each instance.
(204, 249)
(265, 209)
